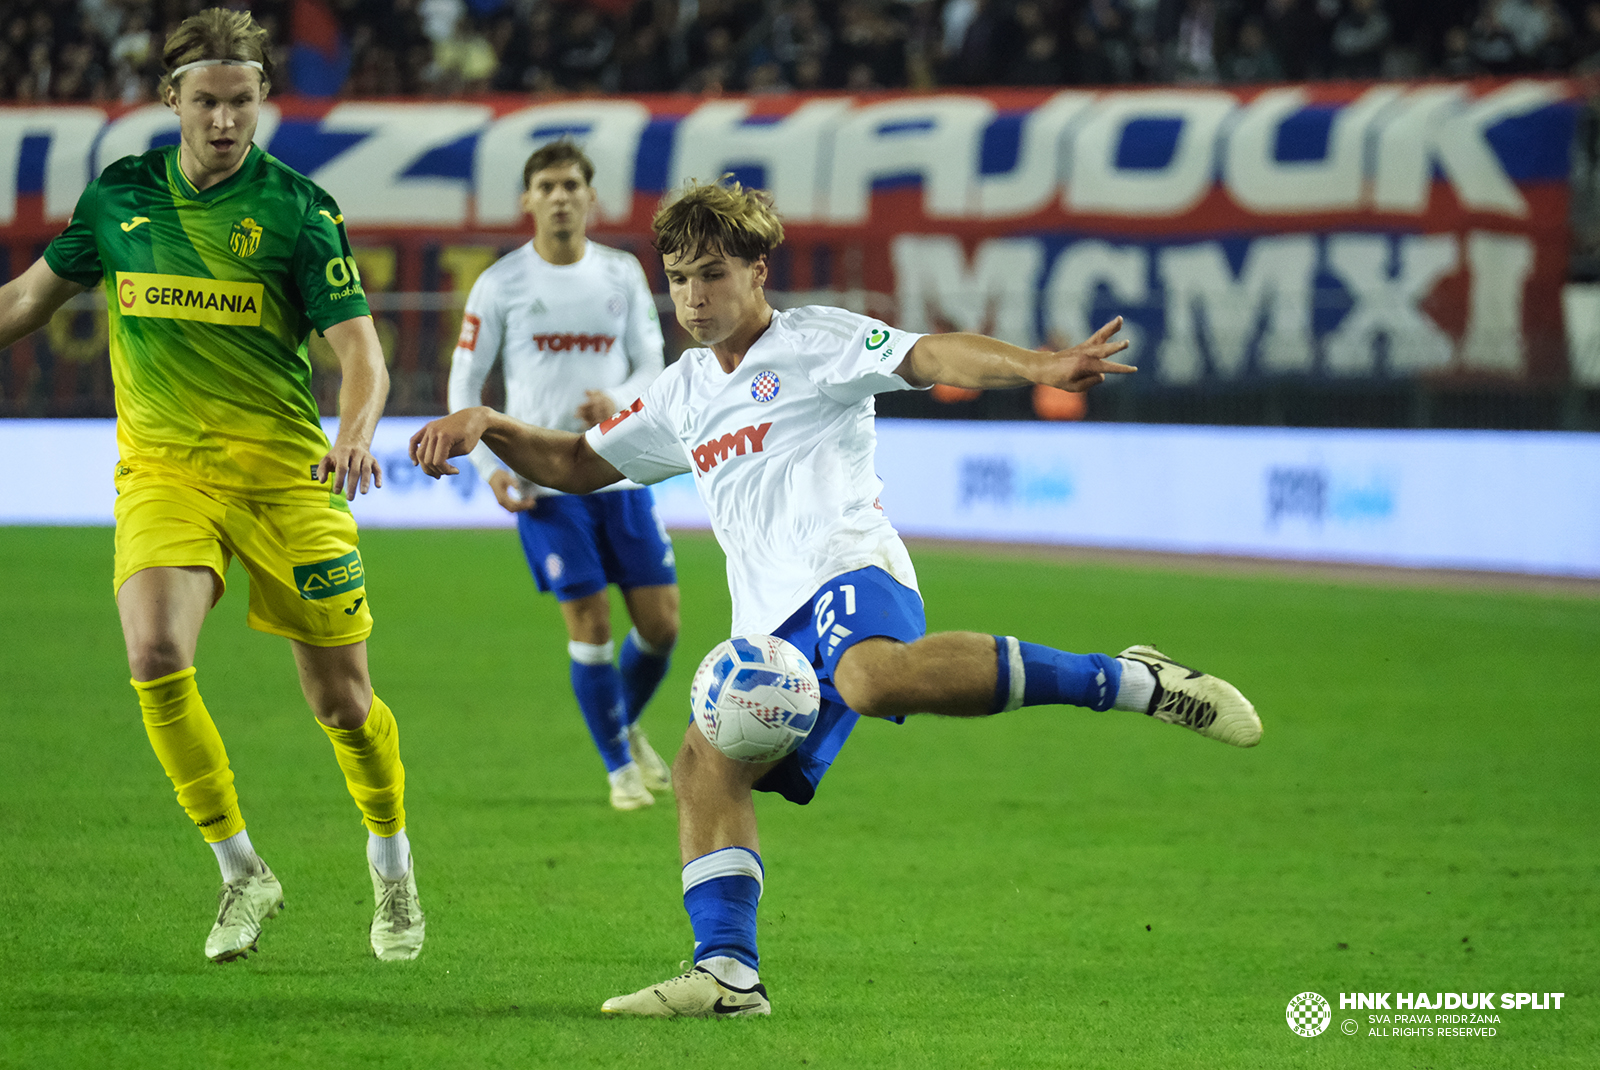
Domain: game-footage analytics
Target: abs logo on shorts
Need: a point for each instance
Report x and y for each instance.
(1309, 1014)
(765, 386)
(328, 578)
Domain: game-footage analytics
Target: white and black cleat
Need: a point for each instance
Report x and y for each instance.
(1196, 700)
(696, 993)
(243, 906)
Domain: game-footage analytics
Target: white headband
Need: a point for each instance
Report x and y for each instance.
(218, 63)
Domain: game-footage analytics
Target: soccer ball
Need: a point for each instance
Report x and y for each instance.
(755, 697)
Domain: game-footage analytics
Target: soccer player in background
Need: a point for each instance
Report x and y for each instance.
(574, 327)
(217, 262)
(774, 416)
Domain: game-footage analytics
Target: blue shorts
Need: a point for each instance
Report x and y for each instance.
(576, 544)
(865, 604)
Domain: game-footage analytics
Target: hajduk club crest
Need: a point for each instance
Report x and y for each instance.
(764, 387)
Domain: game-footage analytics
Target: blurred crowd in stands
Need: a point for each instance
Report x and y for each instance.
(110, 49)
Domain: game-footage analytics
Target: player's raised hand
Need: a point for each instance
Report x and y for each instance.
(352, 468)
(447, 437)
(597, 405)
(1088, 363)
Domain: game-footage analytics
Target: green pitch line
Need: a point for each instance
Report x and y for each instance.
(1046, 888)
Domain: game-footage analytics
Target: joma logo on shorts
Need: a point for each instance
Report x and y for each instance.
(716, 451)
(557, 343)
(328, 578)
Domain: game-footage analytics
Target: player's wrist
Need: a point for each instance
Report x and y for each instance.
(1020, 366)
(486, 421)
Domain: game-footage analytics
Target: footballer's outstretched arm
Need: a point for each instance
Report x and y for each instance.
(560, 460)
(979, 362)
(28, 301)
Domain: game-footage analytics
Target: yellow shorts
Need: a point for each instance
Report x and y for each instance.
(306, 577)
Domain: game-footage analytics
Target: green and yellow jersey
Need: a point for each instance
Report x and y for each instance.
(211, 297)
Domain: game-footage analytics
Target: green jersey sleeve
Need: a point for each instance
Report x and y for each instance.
(324, 268)
(75, 254)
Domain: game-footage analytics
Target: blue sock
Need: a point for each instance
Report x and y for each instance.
(1034, 675)
(720, 892)
(642, 672)
(598, 686)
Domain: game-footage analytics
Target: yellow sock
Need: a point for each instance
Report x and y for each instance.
(186, 742)
(370, 758)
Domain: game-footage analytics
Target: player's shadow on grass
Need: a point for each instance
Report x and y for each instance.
(259, 1012)
(516, 803)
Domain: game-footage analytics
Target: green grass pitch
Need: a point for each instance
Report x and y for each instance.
(1049, 888)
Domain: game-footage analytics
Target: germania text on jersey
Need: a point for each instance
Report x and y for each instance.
(183, 297)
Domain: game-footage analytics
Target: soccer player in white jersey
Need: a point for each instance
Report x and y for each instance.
(573, 325)
(774, 416)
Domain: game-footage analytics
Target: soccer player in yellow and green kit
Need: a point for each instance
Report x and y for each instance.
(217, 262)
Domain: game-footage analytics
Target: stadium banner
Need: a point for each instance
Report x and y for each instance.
(1344, 232)
(1506, 501)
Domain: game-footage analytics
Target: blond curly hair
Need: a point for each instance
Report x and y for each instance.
(216, 33)
(716, 217)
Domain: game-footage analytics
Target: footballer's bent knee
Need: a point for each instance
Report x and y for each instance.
(701, 765)
(151, 659)
(660, 636)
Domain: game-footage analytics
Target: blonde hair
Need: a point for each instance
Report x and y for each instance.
(216, 33)
(717, 217)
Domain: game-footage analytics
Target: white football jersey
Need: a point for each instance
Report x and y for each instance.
(557, 330)
(781, 451)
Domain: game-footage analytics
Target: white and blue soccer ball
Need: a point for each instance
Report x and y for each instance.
(755, 697)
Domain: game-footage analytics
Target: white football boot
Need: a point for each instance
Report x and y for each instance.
(242, 906)
(653, 769)
(1208, 704)
(694, 994)
(627, 788)
(397, 922)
